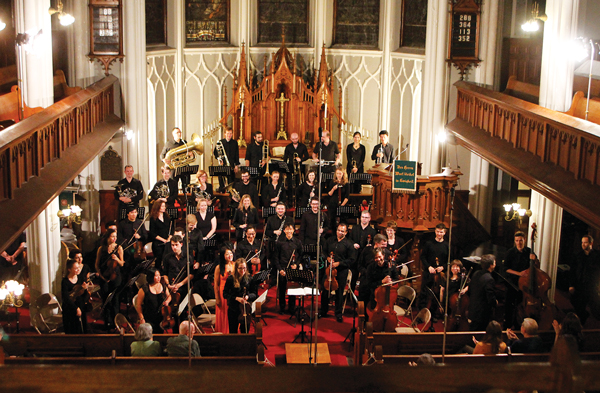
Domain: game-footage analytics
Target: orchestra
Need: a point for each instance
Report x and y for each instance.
(276, 227)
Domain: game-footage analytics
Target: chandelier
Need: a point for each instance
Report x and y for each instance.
(10, 294)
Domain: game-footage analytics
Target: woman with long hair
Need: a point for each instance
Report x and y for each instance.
(492, 343)
(150, 299)
(161, 229)
(339, 193)
(239, 294)
(245, 214)
(222, 272)
(109, 260)
(307, 190)
(73, 306)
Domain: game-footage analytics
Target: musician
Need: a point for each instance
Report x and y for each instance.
(245, 187)
(196, 238)
(330, 153)
(175, 143)
(295, 154)
(363, 233)
(246, 214)
(456, 281)
(516, 262)
(12, 259)
(383, 152)
(339, 194)
(395, 242)
(254, 152)
(584, 276)
(344, 256)
(222, 272)
(307, 190)
(206, 221)
(274, 192)
(174, 267)
(285, 247)
(309, 224)
(165, 189)
(203, 189)
(275, 224)
(150, 299)
(131, 234)
(239, 290)
(249, 247)
(129, 191)
(73, 307)
(380, 272)
(232, 151)
(366, 259)
(482, 296)
(109, 260)
(161, 229)
(434, 257)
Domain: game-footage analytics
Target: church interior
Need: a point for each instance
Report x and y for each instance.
(495, 102)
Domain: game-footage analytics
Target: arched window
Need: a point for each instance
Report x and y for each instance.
(414, 23)
(356, 23)
(206, 21)
(277, 17)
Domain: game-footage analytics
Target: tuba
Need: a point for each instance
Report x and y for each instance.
(222, 154)
(266, 158)
(179, 156)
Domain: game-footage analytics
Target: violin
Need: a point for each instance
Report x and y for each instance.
(78, 289)
(534, 284)
(110, 273)
(140, 252)
(330, 283)
(383, 316)
(167, 312)
(254, 267)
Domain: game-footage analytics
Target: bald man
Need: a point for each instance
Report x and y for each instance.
(294, 152)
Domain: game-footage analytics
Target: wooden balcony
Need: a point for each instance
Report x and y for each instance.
(553, 153)
(40, 155)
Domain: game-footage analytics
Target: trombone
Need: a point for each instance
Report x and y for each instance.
(266, 158)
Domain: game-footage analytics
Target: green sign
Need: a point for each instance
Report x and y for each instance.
(405, 176)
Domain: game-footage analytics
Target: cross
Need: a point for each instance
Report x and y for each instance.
(281, 132)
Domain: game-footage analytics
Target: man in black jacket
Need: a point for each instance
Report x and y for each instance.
(232, 150)
(288, 253)
(129, 191)
(482, 295)
(583, 276)
(170, 145)
(165, 189)
(516, 261)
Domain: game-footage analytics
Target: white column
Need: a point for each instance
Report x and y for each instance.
(32, 17)
(140, 153)
(388, 39)
(480, 178)
(434, 88)
(179, 74)
(556, 90)
(81, 69)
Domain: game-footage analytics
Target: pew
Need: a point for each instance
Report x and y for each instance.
(9, 106)
(61, 89)
(523, 91)
(579, 104)
(153, 362)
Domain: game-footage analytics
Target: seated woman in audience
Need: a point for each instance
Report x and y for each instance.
(570, 326)
(144, 345)
(73, 306)
(239, 292)
(204, 190)
(150, 299)
(492, 343)
(207, 222)
(245, 214)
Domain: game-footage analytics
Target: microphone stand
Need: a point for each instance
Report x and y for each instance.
(452, 193)
(189, 292)
(315, 305)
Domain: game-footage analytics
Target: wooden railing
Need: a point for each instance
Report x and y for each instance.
(28, 146)
(555, 154)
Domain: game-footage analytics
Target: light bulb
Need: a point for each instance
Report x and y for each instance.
(2, 25)
(66, 19)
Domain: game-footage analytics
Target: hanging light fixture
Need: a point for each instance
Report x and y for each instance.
(532, 24)
(64, 18)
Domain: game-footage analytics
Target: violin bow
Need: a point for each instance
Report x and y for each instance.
(401, 280)
(134, 233)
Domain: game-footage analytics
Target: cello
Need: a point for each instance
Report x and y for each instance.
(383, 316)
(459, 304)
(534, 284)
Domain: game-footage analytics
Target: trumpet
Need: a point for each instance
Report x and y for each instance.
(180, 156)
(222, 154)
(266, 158)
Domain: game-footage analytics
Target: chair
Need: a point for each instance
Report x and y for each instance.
(121, 322)
(407, 295)
(423, 317)
(50, 313)
(206, 318)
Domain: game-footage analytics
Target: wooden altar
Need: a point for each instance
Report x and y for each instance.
(421, 211)
(283, 103)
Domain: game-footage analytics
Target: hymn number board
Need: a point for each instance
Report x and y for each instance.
(464, 35)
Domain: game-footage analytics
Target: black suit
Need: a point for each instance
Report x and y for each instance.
(345, 254)
(284, 248)
(482, 300)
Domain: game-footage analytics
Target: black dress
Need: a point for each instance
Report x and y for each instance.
(234, 312)
(204, 224)
(151, 308)
(241, 217)
(162, 229)
(71, 322)
(108, 287)
(303, 193)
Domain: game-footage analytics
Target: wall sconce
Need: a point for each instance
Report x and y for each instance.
(517, 212)
(71, 214)
(532, 24)
(64, 18)
(10, 293)
(2, 25)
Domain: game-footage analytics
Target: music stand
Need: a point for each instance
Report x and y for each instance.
(352, 331)
(260, 277)
(306, 279)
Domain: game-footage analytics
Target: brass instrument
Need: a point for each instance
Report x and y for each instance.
(127, 193)
(235, 195)
(180, 157)
(223, 159)
(297, 170)
(266, 158)
(162, 191)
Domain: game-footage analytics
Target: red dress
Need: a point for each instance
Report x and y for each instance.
(221, 324)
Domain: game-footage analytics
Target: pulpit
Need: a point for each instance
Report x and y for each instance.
(422, 210)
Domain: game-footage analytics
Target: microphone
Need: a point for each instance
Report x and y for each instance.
(320, 133)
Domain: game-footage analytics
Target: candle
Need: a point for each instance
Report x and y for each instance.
(242, 111)
(326, 110)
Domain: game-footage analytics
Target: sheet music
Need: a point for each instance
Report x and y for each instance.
(306, 291)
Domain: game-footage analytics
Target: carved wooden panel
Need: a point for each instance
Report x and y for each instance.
(522, 57)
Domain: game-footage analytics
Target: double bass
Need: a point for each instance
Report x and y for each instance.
(534, 283)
